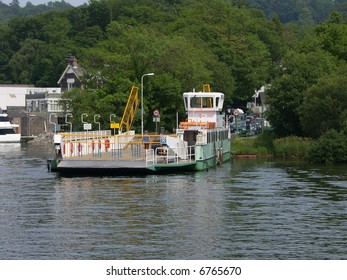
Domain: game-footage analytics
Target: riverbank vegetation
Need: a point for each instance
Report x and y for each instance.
(330, 148)
(267, 145)
(231, 45)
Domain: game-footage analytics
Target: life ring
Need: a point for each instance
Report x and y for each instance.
(107, 144)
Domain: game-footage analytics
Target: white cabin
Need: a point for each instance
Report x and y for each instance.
(204, 108)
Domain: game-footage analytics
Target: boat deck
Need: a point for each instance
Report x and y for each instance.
(119, 167)
(123, 163)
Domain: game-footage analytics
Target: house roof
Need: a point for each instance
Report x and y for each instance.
(72, 67)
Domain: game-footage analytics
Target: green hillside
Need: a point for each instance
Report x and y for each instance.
(8, 12)
(304, 11)
(187, 43)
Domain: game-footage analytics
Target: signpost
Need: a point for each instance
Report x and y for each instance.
(87, 126)
(156, 119)
(114, 125)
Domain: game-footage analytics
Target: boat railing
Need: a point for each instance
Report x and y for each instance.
(82, 135)
(150, 159)
(106, 146)
(103, 147)
(165, 155)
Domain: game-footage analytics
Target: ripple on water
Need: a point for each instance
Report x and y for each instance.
(242, 210)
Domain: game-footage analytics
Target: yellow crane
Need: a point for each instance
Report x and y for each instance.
(130, 109)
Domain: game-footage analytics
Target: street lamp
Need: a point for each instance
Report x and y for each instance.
(114, 129)
(97, 116)
(68, 115)
(84, 114)
(85, 124)
(148, 74)
(50, 121)
(29, 116)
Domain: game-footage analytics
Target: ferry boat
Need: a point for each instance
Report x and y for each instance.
(8, 129)
(202, 141)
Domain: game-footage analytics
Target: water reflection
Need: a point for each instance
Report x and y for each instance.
(248, 209)
(296, 208)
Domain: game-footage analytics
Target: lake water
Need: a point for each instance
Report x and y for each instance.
(245, 209)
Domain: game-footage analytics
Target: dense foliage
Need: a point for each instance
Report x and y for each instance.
(309, 97)
(187, 43)
(13, 10)
(331, 147)
(301, 11)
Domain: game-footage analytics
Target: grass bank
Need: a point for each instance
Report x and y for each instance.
(266, 145)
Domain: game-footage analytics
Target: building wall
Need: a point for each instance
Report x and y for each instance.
(13, 95)
(32, 120)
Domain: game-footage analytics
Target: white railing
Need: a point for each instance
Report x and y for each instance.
(82, 135)
(103, 145)
(165, 155)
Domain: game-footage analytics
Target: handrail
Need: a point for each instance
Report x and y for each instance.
(165, 155)
(88, 145)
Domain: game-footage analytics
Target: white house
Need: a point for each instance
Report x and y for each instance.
(259, 105)
(15, 95)
(72, 75)
(29, 106)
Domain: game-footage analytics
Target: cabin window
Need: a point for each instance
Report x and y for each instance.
(207, 102)
(4, 119)
(6, 131)
(217, 101)
(201, 102)
(195, 102)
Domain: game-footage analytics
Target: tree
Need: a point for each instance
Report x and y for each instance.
(56, 29)
(14, 3)
(23, 61)
(288, 91)
(332, 36)
(325, 106)
(330, 148)
(5, 54)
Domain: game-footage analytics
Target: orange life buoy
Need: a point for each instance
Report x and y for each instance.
(107, 143)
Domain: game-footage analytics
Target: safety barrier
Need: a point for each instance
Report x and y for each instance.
(164, 155)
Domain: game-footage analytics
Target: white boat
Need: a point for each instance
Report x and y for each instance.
(8, 129)
(201, 141)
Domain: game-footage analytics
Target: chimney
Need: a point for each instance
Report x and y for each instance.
(73, 61)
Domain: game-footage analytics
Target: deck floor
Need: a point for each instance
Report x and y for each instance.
(101, 163)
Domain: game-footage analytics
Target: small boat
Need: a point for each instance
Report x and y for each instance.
(8, 129)
(248, 156)
(202, 141)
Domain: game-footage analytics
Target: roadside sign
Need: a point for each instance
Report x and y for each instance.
(87, 126)
(114, 125)
(156, 113)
